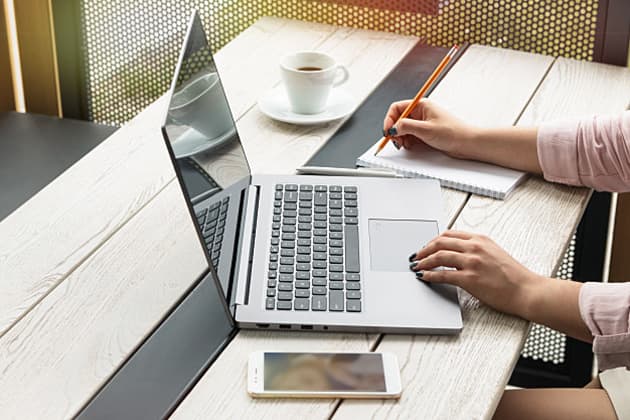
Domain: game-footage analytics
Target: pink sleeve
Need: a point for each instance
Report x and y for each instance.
(593, 152)
(605, 308)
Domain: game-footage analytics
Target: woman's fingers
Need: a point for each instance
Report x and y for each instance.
(440, 243)
(454, 277)
(440, 259)
(393, 113)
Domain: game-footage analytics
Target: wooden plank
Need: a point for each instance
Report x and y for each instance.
(441, 374)
(38, 56)
(6, 81)
(84, 206)
(209, 398)
(63, 350)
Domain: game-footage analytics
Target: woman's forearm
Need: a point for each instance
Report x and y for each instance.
(555, 303)
(512, 147)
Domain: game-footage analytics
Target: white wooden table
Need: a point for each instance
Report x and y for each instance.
(93, 262)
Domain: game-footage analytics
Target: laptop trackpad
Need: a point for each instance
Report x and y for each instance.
(392, 241)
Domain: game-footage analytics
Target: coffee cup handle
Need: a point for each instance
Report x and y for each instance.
(344, 75)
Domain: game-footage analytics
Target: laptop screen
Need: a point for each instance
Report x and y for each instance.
(206, 150)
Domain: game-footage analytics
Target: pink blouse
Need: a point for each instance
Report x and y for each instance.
(595, 152)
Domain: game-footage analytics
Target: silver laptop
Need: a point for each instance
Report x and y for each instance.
(300, 252)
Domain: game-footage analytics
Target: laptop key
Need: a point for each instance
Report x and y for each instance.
(303, 258)
(350, 189)
(286, 269)
(319, 290)
(302, 293)
(287, 252)
(303, 242)
(351, 233)
(286, 278)
(279, 187)
(353, 277)
(288, 236)
(301, 304)
(273, 274)
(351, 212)
(336, 259)
(305, 211)
(303, 267)
(304, 234)
(286, 261)
(337, 268)
(319, 248)
(272, 283)
(306, 187)
(336, 300)
(320, 264)
(320, 281)
(321, 188)
(270, 303)
(284, 305)
(335, 212)
(320, 273)
(271, 292)
(335, 285)
(320, 199)
(291, 187)
(353, 294)
(302, 284)
(353, 285)
(353, 305)
(285, 287)
(287, 221)
(318, 303)
(286, 295)
(320, 240)
(302, 275)
(351, 221)
(336, 276)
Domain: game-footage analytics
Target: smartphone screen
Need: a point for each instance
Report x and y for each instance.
(326, 372)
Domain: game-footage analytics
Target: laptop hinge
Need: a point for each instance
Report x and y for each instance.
(246, 253)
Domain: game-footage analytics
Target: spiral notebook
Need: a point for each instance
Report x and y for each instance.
(466, 175)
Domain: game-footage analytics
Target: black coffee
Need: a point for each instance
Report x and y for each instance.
(309, 68)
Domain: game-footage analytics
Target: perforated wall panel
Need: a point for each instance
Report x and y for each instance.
(543, 343)
(131, 47)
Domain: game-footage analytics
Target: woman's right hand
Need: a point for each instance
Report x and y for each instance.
(430, 124)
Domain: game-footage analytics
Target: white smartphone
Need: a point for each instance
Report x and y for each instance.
(323, 375)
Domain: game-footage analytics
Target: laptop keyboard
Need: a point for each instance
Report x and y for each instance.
(212, 222)
(314, 252)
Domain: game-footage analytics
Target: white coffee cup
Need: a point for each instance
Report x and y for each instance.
(308, 77)
(201, 104)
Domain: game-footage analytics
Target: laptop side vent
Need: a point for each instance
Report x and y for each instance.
(252, 202)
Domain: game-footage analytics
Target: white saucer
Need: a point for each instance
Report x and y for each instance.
(275, 105)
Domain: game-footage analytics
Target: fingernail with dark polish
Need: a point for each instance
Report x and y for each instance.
(384, 133)
(412, 257)
(412, 265)
(396, 145)
(392, 131)
(419, 275)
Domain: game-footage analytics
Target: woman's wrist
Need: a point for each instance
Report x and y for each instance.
(532, 292)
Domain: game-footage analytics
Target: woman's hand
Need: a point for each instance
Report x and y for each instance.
(482, 268)
(430, 124)
(512, 147)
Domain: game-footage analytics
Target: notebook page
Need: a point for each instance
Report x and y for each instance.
(424, 161)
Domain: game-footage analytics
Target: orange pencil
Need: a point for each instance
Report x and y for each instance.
(436, 73)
